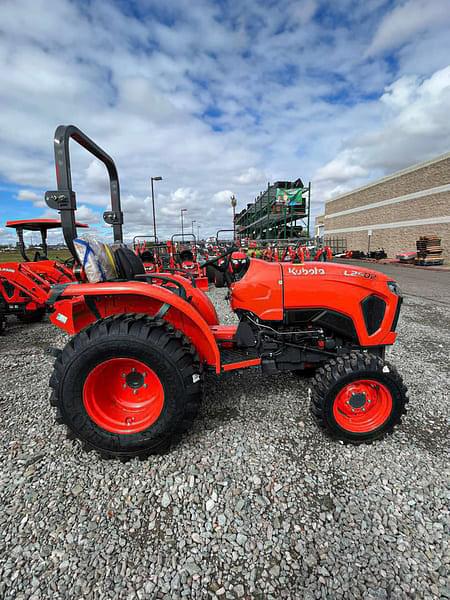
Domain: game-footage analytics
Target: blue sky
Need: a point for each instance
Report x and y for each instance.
(218, 97)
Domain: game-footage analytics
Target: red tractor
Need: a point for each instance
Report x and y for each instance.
(24, 286)
(148, 252)
(183, 259)
(131, 378)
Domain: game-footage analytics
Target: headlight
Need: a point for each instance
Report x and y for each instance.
(395, 289)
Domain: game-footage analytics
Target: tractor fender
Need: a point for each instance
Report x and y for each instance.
(79, 305)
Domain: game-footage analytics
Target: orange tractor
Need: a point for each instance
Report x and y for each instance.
(24, 286)
(131, 378)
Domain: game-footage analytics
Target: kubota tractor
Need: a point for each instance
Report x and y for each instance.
(24, 286)
(183, 259)
(131, 378)
(148, 248)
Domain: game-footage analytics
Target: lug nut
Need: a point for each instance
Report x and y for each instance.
(123, 375)
(135, 392)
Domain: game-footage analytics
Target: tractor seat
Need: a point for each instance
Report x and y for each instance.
(128, 265)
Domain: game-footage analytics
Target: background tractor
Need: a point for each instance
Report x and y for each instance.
(130, 380)
(24, 286)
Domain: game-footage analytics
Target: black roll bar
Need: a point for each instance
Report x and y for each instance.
(183, 235)
(64, 199)
(155, 241)
(22, 247)
(224, 231)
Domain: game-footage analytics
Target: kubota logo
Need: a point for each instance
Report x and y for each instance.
(7, 270)
(306, 271)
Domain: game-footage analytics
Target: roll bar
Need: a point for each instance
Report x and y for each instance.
(154, 239)
(64, 199)
(224, 231)
(183, 235)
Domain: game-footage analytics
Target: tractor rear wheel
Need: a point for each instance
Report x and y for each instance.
(127, 386)
(358, 398)
(219, 279)
(32, 316)
(210, 273)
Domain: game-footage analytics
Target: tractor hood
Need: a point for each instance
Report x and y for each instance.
(280, 291)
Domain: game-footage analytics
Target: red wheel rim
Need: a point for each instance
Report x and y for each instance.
(362, 406)
(123, 395)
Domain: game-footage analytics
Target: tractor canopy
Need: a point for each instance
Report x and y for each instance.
(41, 225)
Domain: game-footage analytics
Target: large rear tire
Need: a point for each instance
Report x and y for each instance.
(210, 273)
(358, 398)
(219, 279)
(127, 386)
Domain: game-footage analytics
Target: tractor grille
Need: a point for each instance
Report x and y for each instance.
(373, 310)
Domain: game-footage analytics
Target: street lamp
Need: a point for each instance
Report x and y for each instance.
(183, 210)
(153, 204)
(192, 226)
(233, 204)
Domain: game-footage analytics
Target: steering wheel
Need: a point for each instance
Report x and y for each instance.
(212, 262)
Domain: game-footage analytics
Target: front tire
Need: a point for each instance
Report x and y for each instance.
(127, 386)
(358, 398)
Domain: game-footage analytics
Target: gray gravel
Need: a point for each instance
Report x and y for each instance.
(255, 502)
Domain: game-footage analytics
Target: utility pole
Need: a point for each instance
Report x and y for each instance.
(183, 210)
(233, 204)
(153, 204)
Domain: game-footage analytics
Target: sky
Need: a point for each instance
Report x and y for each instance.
(218, 97)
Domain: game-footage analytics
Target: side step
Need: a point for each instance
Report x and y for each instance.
(235, 358)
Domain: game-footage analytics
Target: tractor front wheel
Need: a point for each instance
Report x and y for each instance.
(358, 398)
(127, 386)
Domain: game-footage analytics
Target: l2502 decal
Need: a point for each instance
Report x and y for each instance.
(353, 273)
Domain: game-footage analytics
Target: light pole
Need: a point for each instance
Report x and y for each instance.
(233, 204)
(183, 210)
(198, 231)
(153, 204)
(192, 226)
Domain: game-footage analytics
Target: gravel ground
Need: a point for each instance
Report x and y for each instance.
(255, 502)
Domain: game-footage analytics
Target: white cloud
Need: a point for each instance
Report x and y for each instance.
(407, 20)
(215, 98)
(30, 196)
(85, 214)
(251, 175)
(413, 126)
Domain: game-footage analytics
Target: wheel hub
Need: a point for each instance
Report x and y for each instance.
(357, 400)
(134, 380)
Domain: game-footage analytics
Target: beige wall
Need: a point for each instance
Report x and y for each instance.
(398, 239)
(433, 206)
(404, 182)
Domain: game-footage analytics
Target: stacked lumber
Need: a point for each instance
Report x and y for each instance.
(429, 251)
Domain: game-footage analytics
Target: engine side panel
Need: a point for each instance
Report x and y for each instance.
(260, 291)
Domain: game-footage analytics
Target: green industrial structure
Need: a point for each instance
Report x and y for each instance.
(279, 213)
